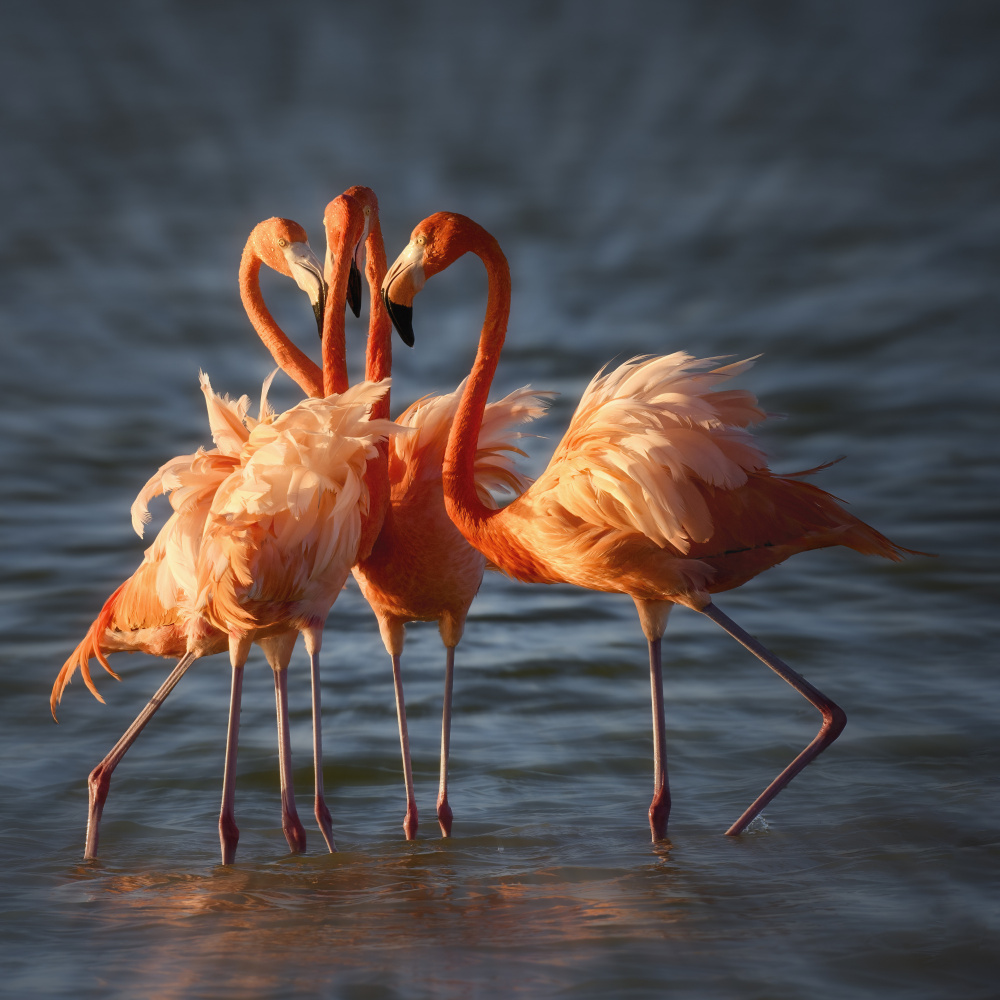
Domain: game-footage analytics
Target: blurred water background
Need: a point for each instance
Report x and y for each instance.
(815, 183)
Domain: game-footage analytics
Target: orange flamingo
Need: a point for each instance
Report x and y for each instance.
(414, 565)
(421, 568)
(262, 539)
(657, 490)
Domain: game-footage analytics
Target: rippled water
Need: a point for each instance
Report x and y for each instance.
(814, 183)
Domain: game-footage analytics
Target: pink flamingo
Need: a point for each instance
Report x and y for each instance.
(421, 568)
(262, 539)
(657, 490)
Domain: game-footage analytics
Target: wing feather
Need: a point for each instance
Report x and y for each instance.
(420, 454)
(646, 439)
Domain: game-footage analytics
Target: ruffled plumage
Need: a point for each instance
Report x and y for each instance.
(420, 455)
(644, 437)
(267, 521)
(284, 527)
(421, 567)
(659, 490)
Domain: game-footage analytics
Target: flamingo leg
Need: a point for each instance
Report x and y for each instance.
(659, 808)
(229, 834)
(834, 717)
(291, 825)
(99, 782)
(443, 809)
(410, 821)
(323, 817)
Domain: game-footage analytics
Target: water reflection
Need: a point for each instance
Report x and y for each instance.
(426, 911)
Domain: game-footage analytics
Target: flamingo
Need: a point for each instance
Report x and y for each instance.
(258, 547)
(657, 490)
(420, 568)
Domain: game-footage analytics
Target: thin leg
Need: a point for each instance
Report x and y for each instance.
(410, 821)
(323, 817)
(834, 717)
(229, 834)
(659, 808)
(294, 832)
(99, 781)
(443, 809)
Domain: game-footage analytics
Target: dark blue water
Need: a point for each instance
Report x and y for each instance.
(815, 183)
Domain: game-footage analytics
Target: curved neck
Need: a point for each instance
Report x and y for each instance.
(292, 361)
(378, 355)
(464, 507)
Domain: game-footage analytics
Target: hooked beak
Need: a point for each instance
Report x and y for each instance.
(353, 276)
(354, 289)
(307, 271)
(404, 280)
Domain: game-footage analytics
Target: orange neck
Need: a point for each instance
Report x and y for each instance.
(463, 505)
(292, 361)
(344, 227)
(378, 356)
(334, 333)
(484, 528)
(378, 365)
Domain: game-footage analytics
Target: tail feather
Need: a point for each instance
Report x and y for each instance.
(90, 646)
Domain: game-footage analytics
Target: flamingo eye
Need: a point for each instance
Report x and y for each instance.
(282, 243)
(421, 240)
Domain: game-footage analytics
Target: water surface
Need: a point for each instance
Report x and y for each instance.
(813, 184)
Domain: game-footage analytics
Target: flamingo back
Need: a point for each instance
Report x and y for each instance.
(656, 450)
(644, 439)
(284, 527)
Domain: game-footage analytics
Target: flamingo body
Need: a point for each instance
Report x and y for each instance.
(658, 490)
(422, 568)
(156, 610)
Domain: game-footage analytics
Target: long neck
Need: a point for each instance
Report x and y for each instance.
(291, 360)
(334, 334)
(378, 365)
(378, 356)
(464, 507)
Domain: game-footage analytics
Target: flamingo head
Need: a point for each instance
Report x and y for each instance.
(284, 247)
(436, 243)
(340, 220)
(365, 197)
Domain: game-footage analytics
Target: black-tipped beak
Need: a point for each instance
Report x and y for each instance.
(318, 307)
(402, 318)
(354, 289)
(307, 273)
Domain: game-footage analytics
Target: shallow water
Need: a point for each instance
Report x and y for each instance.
(814, 184)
